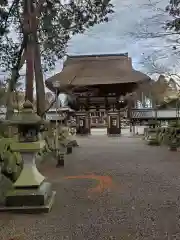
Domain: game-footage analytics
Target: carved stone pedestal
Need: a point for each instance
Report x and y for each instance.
(30, 193)
(34, 200)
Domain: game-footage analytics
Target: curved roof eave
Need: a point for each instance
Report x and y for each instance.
(130, 77)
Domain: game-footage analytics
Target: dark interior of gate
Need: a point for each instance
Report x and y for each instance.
(101, 89)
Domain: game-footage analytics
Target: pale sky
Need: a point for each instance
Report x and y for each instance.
(123, 33)
(129, 30)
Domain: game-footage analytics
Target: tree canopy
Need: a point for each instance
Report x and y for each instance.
(57, 23)
(174, 10)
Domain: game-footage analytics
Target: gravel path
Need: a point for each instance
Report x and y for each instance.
(141, 203)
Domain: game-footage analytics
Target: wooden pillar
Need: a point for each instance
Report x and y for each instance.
(106, 112)
(89, 123)
(119, 118)
(129, 115)
(113, 127)
(130, 127)
(134, 128)
(82, 123)
(88, 114)
(114, 121)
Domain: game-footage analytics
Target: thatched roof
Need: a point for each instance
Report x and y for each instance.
(89, 70)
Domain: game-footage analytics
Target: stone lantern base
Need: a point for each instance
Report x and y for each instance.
(35, 200)
(30, 193)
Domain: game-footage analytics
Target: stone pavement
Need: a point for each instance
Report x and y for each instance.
(139, 198)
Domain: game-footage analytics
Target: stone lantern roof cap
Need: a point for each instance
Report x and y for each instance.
(26, 116)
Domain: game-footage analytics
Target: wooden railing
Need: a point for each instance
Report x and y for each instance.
(136, 114)
(151, 113)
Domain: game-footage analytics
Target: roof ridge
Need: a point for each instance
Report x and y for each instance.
(99, 55)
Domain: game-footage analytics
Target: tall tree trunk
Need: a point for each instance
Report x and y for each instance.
(40, 89)
(14, 78)
(29, 73)
(28, 8)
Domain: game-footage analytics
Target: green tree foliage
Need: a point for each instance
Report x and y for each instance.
(174, 10)
(58, 22)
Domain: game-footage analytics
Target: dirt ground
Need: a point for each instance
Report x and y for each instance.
(139, 198)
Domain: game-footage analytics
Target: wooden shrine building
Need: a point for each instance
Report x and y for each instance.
(99, 84)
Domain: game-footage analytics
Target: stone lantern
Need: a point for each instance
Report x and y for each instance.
(31, 192)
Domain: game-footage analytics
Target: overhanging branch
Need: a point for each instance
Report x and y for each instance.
(14, 3)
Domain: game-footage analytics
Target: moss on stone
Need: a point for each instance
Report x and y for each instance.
(11, 162)
(5, 186)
